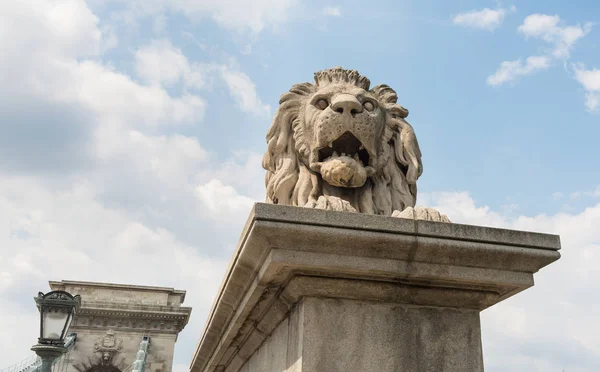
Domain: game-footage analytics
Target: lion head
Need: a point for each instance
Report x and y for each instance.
(340, 140)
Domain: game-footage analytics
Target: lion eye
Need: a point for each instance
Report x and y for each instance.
(369, 106)
(321, 104)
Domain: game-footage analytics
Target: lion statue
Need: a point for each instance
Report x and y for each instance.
(339, 145)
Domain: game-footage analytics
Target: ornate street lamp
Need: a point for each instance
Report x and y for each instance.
(57, 309)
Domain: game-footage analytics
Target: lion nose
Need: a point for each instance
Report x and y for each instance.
(346, 103)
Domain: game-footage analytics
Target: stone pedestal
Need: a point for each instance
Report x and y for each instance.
(319, 291)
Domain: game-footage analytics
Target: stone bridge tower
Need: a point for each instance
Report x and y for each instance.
(116, 321)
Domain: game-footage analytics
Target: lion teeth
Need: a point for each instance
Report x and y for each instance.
(361, 147)
(335, 154)
(343, 154)
(355, 157)
(331, 144)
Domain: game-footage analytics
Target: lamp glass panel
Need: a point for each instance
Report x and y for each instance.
(54, 323)
(69, 320)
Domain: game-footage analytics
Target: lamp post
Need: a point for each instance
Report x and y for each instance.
(57, 309)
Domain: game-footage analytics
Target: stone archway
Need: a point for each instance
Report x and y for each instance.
(103, 368)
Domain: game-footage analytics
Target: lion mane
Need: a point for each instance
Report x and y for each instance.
(295, 178)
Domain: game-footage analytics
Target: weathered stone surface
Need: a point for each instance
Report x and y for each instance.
(272, 355)
(375, 337)
(398, 271)
(113, 318)
(339, 145)
(339, 335)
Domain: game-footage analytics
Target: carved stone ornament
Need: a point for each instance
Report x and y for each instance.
(57, 295)
(94, 364)
(108, 346)
(339, 145)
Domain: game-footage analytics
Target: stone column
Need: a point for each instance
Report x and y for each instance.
(319, 291)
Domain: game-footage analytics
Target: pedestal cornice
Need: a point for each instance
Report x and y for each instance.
(286, 253)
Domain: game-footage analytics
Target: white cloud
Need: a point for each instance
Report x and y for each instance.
(548, 29)
(223, 200)
(511, 70)
(461, 208)
(332, 11)
(161, 63)
(169, 158)
(243, 91)
(592, 101)
(236, 15)
(485, 19)
(67, 28)
(590, 80)
(244, 172)
(112, 94)
(70, 79)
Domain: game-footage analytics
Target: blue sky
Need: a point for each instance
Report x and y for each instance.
(131, 134)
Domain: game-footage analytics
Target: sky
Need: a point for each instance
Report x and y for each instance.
(132, 132)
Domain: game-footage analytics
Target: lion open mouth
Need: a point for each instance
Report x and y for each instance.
(345, 162)
(346, 145)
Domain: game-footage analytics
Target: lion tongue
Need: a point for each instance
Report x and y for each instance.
(343, 171)
(316, 167)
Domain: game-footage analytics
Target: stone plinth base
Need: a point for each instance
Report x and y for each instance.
(323, 334)
(319, 291)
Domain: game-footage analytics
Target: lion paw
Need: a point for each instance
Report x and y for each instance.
(331, 203)
(421, 213)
